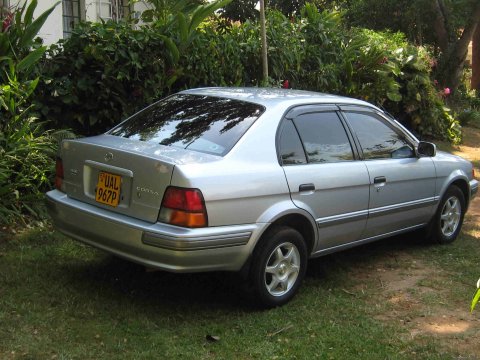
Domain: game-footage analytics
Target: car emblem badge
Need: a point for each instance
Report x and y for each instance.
(108, 156)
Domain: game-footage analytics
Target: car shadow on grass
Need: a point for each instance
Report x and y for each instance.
(109, 277)
(112, 277)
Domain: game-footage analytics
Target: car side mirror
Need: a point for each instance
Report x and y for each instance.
(426, 149)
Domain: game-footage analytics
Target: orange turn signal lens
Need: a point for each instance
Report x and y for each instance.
(182, 218)
(183, 207)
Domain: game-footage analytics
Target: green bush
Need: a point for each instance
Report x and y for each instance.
(466, 105)
(106, 71)
(26, 151)
(469, 117)
(395, 75)
(102, 73)
(213, 58)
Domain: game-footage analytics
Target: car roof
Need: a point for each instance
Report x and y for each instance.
(274, 96)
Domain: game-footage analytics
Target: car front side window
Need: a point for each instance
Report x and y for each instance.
(377, 139)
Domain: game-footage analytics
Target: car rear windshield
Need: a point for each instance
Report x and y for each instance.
(202, 123)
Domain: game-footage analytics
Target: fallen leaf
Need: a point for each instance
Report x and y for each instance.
(212, 338)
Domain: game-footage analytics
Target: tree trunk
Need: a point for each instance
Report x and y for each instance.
(455, 58)
(476, 61)
(263, 32)
(440, 25)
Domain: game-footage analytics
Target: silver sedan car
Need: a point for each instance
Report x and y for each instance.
(255, 181)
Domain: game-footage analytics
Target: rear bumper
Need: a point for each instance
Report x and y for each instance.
(155, 245)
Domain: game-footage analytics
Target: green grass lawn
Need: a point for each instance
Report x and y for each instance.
(62, 300)
(395, 299)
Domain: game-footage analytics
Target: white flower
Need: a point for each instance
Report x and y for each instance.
(478, 284)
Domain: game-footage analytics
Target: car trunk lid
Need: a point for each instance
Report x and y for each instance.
(122, 175)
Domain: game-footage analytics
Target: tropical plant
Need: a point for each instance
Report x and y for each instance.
(446, 25)
(106, 71)
(385, 69)
(324, 43)
(102, 73)
(162, 10)
(476, 297)
(18, 37)
(26, 151)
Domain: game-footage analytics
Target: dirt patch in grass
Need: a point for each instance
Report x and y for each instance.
(417, 295)
(418, 300)
(469, 148)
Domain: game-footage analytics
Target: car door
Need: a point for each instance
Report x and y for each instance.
(323, 174)
(402, 185)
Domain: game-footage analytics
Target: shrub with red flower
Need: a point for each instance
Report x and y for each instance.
(445, 92)
(7, 21)
(383, 60)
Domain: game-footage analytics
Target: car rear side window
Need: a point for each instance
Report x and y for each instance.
(291, 149)
(377, 139)
(323, 137)
(202, 123)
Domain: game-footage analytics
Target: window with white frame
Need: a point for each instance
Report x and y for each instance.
(113, 9)
(71, 16)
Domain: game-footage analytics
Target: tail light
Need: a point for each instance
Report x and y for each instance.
(183, 207)
(59, 174)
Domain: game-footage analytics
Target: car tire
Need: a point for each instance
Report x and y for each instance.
(278, 266)
(448, 219)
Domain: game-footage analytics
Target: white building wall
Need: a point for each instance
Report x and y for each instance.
(141, 6)
(91, 11)
(52, 30)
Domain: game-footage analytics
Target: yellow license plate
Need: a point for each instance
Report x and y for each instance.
(108, 188)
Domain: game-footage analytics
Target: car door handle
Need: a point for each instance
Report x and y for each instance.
(380, 180)
(306, 187)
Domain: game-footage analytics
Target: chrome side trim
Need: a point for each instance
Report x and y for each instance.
(363, 241)
(384, 210)
(342, 218)
(195, 243)
(390, 209)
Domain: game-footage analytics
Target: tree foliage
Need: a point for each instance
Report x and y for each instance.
(454, 51)
(162, 10)
(446, 25)
(240, 10)
(105, 72)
